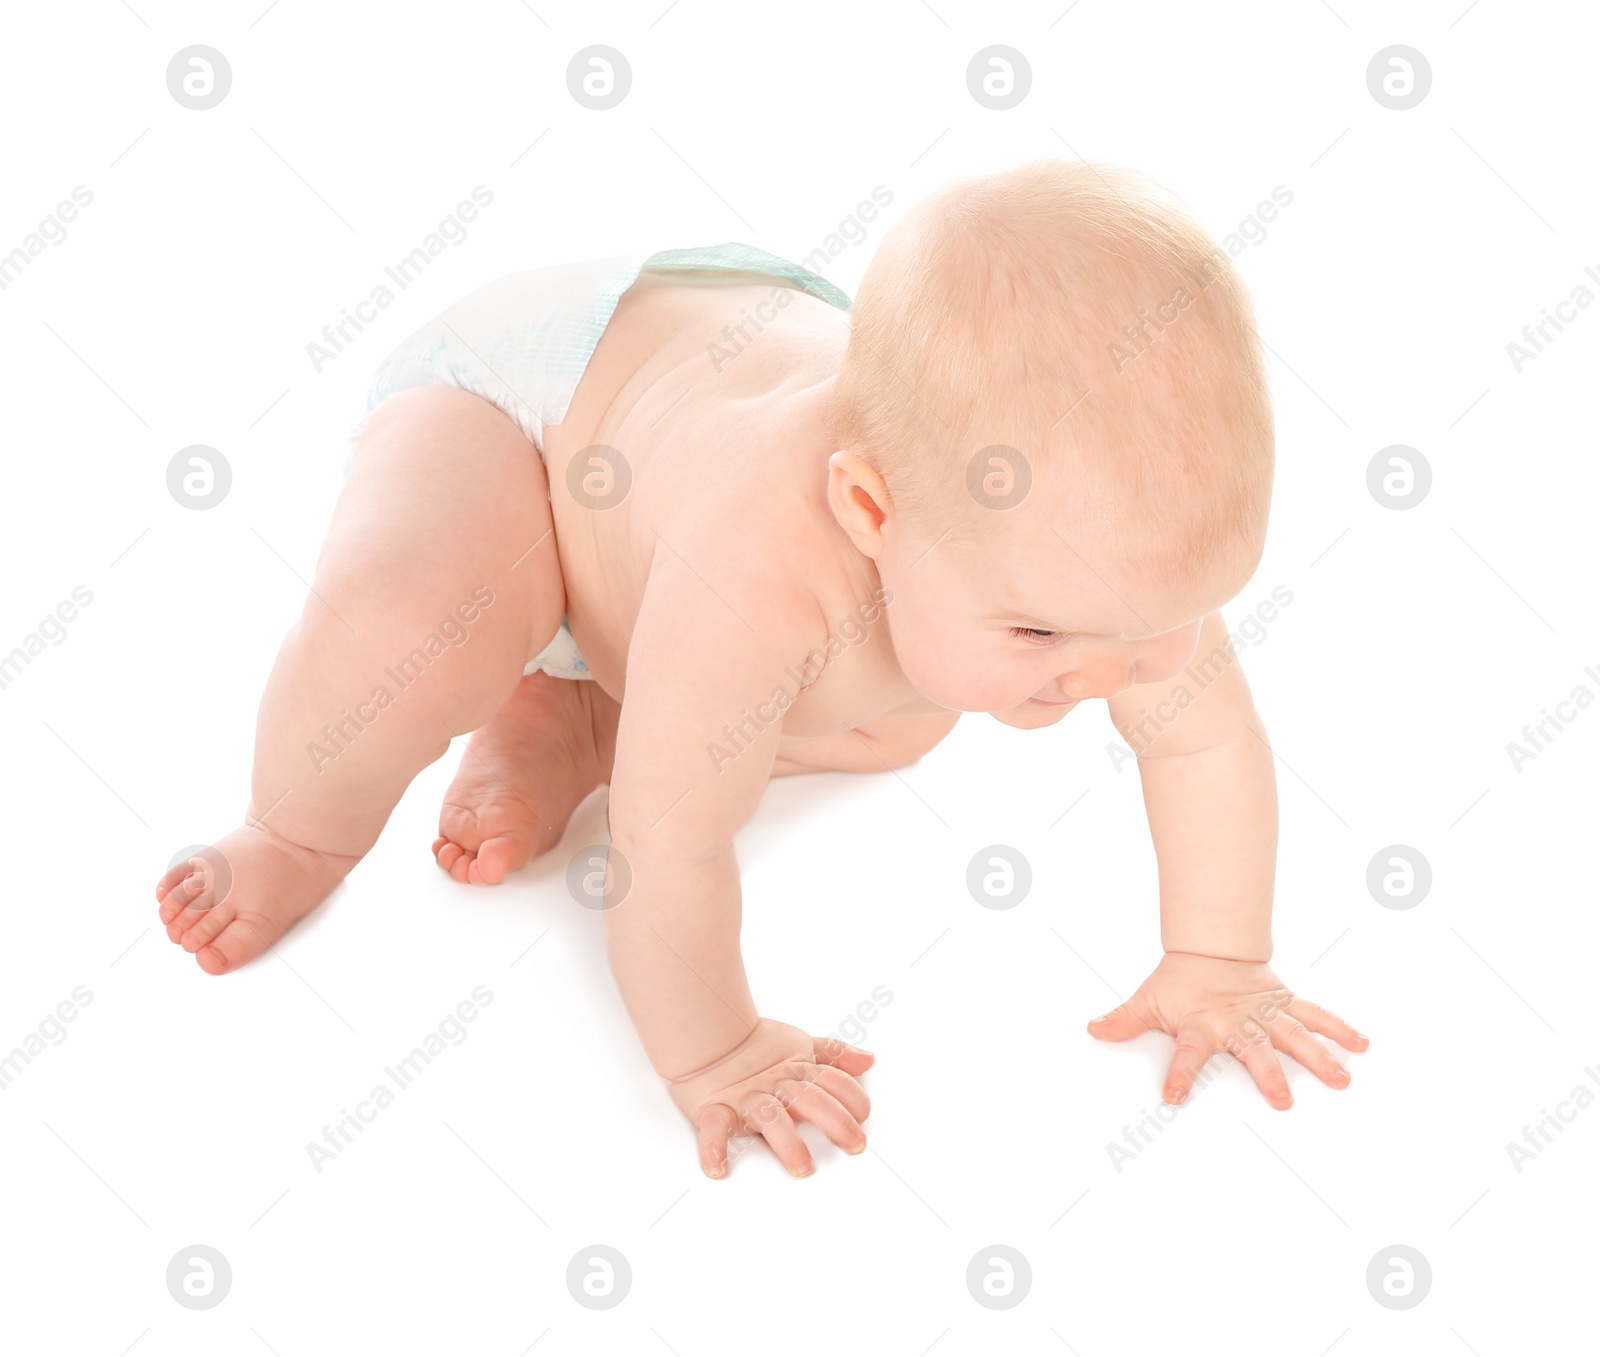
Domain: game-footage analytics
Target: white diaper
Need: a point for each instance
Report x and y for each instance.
(521, 342)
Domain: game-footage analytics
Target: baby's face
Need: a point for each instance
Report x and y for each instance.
(1033, 615)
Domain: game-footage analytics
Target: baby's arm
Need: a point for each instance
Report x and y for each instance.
(700, 659)
(1211, 797)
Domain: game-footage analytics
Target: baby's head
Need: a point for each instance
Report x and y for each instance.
(1056, 440)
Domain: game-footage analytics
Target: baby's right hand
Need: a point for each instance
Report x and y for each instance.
(777, 1075)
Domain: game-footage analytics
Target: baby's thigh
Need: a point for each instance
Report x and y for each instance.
(889, 742)
(446, 502)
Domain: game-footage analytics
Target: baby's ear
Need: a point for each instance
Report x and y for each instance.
(858, 498)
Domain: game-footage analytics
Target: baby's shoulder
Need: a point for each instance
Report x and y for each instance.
(745, 504)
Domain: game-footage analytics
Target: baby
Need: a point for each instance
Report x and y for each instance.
(685, 522)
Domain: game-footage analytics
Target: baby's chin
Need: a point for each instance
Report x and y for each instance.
(1031, 716)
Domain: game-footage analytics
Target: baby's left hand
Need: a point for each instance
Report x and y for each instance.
(1210, 1004)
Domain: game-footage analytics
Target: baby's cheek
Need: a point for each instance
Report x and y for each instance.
(917, 642)
(956, 677)
(946, 662)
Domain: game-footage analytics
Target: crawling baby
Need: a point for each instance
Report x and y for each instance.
(684, 522)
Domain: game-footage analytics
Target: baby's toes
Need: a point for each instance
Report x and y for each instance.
(207, 926)
(448, 852)
(461, 868)
(497, 858)
(172, 876)
(457, 861)
(177, 890)
(171, 906)
(186, 919)
(489, 862)
(240, 941)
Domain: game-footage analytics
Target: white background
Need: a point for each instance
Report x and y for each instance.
(1418, 643)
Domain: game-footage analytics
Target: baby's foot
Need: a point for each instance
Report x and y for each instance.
(523, 775)
(231, 905)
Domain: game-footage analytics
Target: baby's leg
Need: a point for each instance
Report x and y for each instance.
(438, 581)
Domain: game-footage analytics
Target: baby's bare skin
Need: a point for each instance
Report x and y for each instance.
(747, 546)
(653, 358)
(747, 446)
(752, 439)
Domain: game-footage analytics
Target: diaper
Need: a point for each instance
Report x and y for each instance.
(523, 341)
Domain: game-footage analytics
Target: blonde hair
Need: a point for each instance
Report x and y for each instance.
(1001, 303)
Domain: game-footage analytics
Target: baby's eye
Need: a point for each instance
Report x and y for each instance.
(1034, 634)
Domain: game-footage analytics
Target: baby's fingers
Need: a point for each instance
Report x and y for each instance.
(1123, 1023)
(1257, 1056)
(1194, 1049)
(1326, 1024)
(842, 1055)
(764, 1115)
(1290, 1036)
(825, 1112)
(844, 1088)
(717, 1123)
